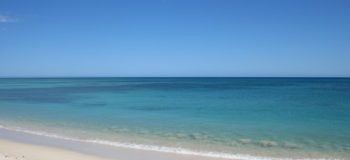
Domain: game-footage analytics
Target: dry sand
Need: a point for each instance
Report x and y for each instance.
(10, 150)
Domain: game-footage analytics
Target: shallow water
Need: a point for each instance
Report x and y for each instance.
(262, 117)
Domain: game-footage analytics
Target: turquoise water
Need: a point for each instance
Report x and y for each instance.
(261, 117)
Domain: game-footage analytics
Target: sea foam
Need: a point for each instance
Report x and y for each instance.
(176, 150)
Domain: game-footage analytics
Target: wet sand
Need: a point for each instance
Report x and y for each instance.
(22, 146)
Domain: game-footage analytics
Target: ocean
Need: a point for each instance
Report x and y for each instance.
(247, 118)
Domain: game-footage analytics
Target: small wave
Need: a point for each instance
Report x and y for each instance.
(154, 147)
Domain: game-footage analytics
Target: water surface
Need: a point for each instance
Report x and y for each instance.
(262, 117)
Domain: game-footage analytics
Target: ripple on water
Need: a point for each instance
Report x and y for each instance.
(265, 143)
(122, 130)
(145, 132)
(290, 145)
(244, 141)
(181, 135)
(167, 134)
(195, 136)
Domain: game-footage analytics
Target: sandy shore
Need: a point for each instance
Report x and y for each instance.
(23, 146)
(10, 150)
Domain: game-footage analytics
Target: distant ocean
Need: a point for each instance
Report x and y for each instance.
(246, 118)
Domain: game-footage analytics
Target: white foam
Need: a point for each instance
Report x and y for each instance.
(155, 147)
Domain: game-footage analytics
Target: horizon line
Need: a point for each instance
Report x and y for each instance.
(63, 77)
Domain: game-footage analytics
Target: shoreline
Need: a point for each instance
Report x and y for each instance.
(114, 150)
(101, 151)
(11, 150)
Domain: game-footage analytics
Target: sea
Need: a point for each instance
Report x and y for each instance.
(229, 118)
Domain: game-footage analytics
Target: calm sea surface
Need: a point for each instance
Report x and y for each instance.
(261, 117)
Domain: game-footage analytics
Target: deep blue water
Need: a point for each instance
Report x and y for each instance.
(269, 117)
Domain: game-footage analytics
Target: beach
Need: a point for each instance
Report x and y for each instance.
(15, 145)
(23, 146)
(10, 150)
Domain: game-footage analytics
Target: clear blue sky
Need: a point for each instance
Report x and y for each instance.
(174, 38)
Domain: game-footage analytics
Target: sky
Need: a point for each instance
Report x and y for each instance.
(175, 38)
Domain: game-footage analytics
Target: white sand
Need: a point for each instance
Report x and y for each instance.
(14, 144)
(10, 150)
